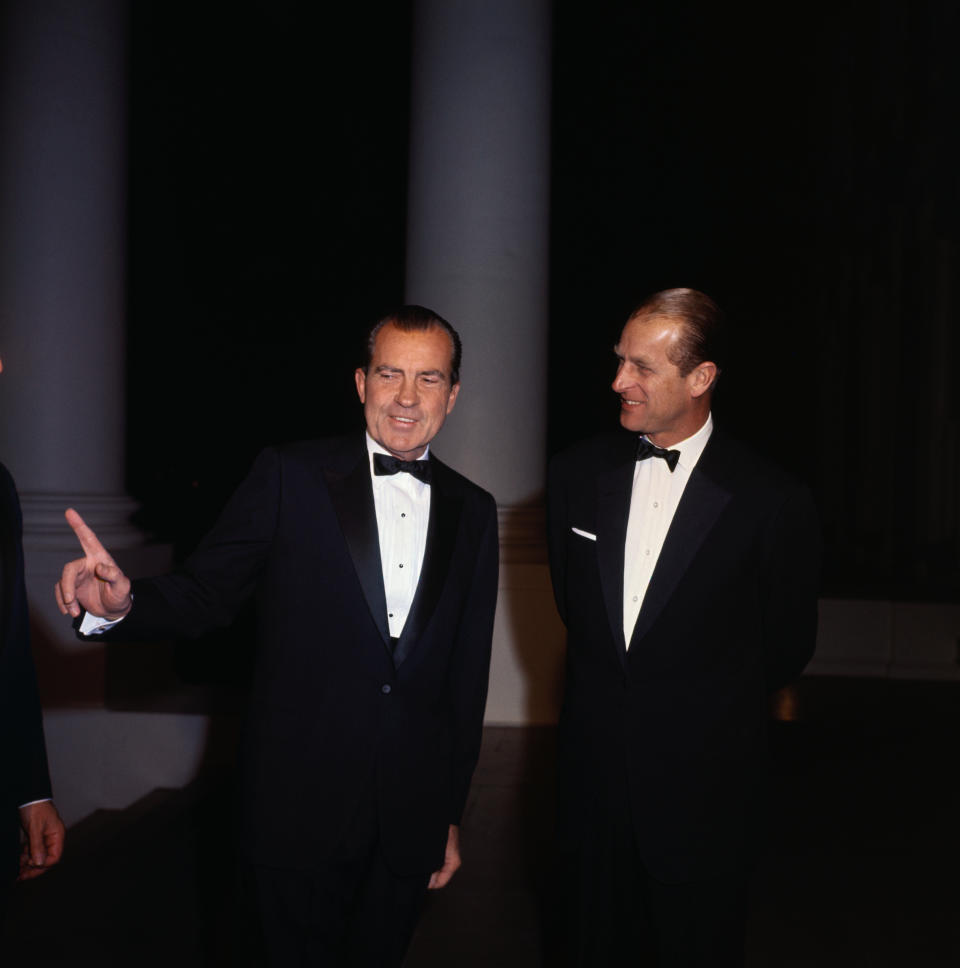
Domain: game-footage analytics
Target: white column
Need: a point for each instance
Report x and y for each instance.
(63, 165)
(478, 224)
(62, 262)
(477, 253)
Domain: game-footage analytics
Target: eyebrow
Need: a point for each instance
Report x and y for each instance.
(386, 368)
(638, 360)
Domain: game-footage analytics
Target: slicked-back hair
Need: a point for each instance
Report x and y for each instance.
(417, 319)
(703, 334)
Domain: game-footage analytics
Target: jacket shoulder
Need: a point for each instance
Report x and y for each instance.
(455, 483)
(341, 454)
(335, 452)
(594, 454)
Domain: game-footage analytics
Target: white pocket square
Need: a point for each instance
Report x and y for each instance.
(584, 534)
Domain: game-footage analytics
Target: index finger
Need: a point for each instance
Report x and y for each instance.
(85, 535)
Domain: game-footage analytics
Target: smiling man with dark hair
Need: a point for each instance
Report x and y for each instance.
(374, 570)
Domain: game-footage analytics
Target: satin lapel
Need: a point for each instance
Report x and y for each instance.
(445, 510)
(614, 488)
(352, 497)
(699, 508)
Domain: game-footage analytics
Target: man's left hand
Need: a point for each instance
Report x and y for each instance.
(44, 844)
(451, 861)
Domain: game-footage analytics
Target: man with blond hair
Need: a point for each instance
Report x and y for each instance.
(685, 569)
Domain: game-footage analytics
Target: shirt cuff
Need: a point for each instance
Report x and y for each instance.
(30, 803)
(95, 625)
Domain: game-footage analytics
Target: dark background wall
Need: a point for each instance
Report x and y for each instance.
(269, 150)
(799, 164)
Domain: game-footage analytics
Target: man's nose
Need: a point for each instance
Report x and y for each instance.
(620, 383)
(407, 393)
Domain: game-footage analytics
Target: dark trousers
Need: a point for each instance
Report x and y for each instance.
(9, 861)
(619, 914)
(350, 912)
(357, 914)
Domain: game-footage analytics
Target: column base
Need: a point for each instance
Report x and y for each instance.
(523, 534)
(109, 515)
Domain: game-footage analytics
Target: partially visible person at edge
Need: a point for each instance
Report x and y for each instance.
(374, 569)
(28, 813)
(686, 569)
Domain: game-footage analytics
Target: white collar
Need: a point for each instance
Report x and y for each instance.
(374, 448)
(692, 447)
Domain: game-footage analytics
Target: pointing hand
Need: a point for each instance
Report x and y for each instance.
(93, 582)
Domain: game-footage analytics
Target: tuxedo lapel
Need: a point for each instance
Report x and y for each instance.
(614, 489)
(352, 497)
(703, 500)
(445, 509)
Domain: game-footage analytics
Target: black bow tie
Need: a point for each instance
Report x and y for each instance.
(388, 464)
(645, 449)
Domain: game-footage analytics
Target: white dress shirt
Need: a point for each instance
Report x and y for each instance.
(653, 503)
(402, 504)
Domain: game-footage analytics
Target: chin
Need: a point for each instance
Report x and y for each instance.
(403, 447)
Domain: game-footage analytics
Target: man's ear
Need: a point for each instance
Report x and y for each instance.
(452, 399)
(702, 377)
(360, 378)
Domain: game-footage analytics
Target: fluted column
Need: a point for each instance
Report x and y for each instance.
(63, 166)
(478, 224)
(478, 252)
(62, 262)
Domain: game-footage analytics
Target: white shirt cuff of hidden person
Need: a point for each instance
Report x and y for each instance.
(30, 803)
(95, 625)
(584, 534)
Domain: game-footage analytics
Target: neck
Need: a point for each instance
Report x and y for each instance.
(409, 455)
(667, 438)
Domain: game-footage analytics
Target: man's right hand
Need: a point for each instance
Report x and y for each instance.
(93, 582)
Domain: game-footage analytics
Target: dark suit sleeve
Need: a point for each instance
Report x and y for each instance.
(24, 763)
(470, 666)
(789, 585)
(221, 574)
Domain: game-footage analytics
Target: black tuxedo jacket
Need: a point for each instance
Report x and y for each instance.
(673, 730)
(23, 758)
(336, 717)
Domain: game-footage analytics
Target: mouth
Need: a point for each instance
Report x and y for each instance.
(630, 403)
(403, 421)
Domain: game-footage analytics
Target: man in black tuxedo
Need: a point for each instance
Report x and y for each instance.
(374, 569)
(25, 781)
(685, 569)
